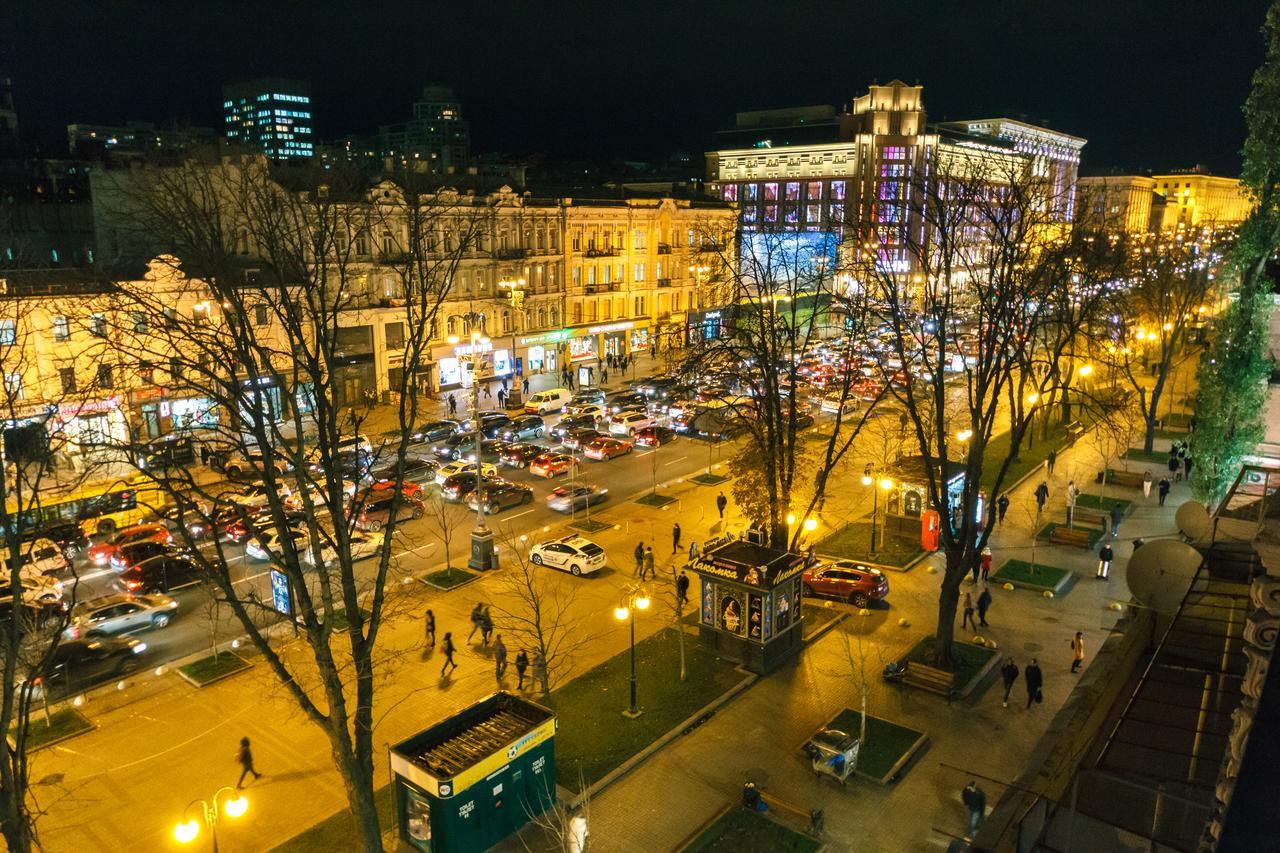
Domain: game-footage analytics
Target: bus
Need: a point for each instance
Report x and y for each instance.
(101, 508)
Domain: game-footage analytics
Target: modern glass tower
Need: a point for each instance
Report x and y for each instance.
(270, 113)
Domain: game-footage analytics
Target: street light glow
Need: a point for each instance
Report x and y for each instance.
(186, 832)
(866, 480)
(236, 807)
(886, 484)
(642, 602)
(810, 525)
(964, 435)
(621, 613)
(1086, 370)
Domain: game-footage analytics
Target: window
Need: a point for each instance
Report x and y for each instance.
(639, 273)
(591, 275)
(175, 369)
(395, 335)
(68, 377)
(837, 212)
(729, 192)
(693, 237)
(146, 372)
(98, 325)
(770, 213)
(813, 190)
(749, 215)
(171, 318)
(61, 329)
(639, 307)
(813, 213)
(837, 190)
(105, 377)
(577, 239)
(893, 152)
(770, 192)
(577, 276)
(8, 333)
(750, 192)
(260, 317)
(604, 274)
(13, 386)
(139, 322)
(792, 214)
(793, 191)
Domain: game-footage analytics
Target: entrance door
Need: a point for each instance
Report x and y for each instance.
(351, 390)
(151, 421)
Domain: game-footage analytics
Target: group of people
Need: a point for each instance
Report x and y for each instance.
(1179, 462)
(482, 621)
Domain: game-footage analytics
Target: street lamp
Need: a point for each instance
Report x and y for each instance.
(515, 292)
(868, 478)
(637, 599)
(189, 828)
(482, 555)
(963, 437)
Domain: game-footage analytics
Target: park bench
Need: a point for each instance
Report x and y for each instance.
(1068, 536)
(930, 678)
(1125, 478)
(1086, 515)
(1075, 429)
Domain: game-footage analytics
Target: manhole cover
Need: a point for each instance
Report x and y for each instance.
(1032, 647)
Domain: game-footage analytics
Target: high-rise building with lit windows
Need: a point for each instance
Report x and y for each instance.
(270, 113)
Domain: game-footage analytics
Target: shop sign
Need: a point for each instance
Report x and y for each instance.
(395, 359)
(89, 407)
(611, 327)
(547, 338)
(151, 393)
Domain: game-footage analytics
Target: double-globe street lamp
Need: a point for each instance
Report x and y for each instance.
(482, 554)
(189, 828)
(514, 288)
(869, 476)
(636, 600)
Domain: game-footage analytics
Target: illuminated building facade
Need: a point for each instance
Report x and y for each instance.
(1174, 201)
(272, 115)
(437, 134)
(1117, 202)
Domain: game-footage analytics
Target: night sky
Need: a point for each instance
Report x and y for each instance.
(1150, 84)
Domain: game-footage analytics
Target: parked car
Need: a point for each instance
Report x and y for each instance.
(467, 468)
(849, 581)
(832, 403)
(568, 424)
(66, 534)
(36, 558)
(500, 496)
(120, 614)
(577, 439)
(574, 554)
(525, 426)
(551, 400)
(579, 496)
(37, 592)
(552, 465)
(131, 555)
(434, 431)
(102, 552)
(519, 455)
(78, 664)
(652, 436)
(162, 573)
(628, 423)
(603, 448)
(375, 512)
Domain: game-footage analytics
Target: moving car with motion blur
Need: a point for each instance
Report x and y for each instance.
(576, 497)
(101, 553)
(79, 664)
(120, 613)
(500, 496)
(163, 573)
(603, 448)
(525, 426)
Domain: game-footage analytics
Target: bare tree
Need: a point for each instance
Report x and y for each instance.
(443, 519)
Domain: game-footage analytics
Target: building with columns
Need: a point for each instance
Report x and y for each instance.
(1185, 200)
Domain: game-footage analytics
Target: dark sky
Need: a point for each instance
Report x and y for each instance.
(1151, 84)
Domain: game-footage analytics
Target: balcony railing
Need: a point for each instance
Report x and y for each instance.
(664, 248)
(664, 282)
(606, 252)
(603, 288)
(510, 254)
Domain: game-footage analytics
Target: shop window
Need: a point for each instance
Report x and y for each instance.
(729, 192)
(395, 335)
(68, 377)
(260, 316)
(749, 215)
(106, 377)
(8, 333)
(813, 213)
(770, 213)
(61, 329)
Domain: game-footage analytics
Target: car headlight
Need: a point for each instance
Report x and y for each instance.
(139, 649)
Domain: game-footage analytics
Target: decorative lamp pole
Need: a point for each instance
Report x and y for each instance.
(234, 807)
(637, 599)
(515, 292)
(482, 553)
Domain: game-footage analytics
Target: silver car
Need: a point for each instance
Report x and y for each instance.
(120, 614)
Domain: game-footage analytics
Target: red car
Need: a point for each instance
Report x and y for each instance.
(844, 579)
(605, 448)
(551, 464)
(102, 552)
(652, 436)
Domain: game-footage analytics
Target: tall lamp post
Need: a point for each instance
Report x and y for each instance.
(637, 599)
(514, 288)
(482, 556)
(233, 807)
(868, 478)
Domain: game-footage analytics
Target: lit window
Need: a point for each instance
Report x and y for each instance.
(8, 333)
(770, 192)
(793, 191)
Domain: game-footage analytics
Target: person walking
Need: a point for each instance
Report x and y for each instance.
(1117, 515)
(1072, 494)
(502, 398)
(1002, 506)
(984, 603)
(453, 406)
(448, 648)
(1035, 682)
(1186, 467)
(499, 658)
(1105, 555)
(477, 617)
(648, 564)
(639, 555)
(721, 503)
(968, 612)
(1042, 495)
(682, 589)
(986, 562)
(1009, 675)
(1051, 460)
(675, 537)
(429, 626)
(1175, 466)
(1163, 489)
(976, 802)
(522, 664)
(524, 386)
(693, 550)
(1146, 483)
(604, 376)
(1077, 652)
(486, 627)
(244, 756)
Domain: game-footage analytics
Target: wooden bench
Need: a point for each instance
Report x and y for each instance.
(1087, 515)
(930, 678)
(1125, 478)
(1075, 429)
(780, 805)
(1068, 536)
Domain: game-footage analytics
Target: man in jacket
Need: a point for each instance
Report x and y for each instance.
(984, 601)
(1008, 674)
(1042, 495)
(1035, 682)
(1105, 555)
(976, 802)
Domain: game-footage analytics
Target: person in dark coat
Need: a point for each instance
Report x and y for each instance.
(1002, 506)
(499, 658)
(1035, 682)
(453, 405)
(448, 648)
(1051, 460)
(486, 627)
(430, 629)
(477, 619)
(522, 666)
(984, 602)
(1009, 675)
(639, 555)
(976, 802)
(1186, 467)
(721, 503)
(675, 537)
(1042, 495)
(1175, 466)
(1163, 489)
(1105, 555)
(682, 588)
(1117, 515)
(244, 756)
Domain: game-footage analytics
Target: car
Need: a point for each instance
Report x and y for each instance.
(258, 495)
(574, 554)
(520, 455)
(500, 496)
(248, 463)
(162, 573)
(66, 534)
(628, 409)
(570, 423)
(627, 423)
(453, 446)
(579, 496)
(77, 664)
(867, 389)
(658, 389)
(494, 428)
(375, 510)
(434, 431)
(552, 464)
(551, 400)
(615, 402)
(415, 470)
(130, 555)
(207, 522)
(847, 580)
(593, 410)
(490, 450)
(604, 448)
(457, 487)
(587, 396)
(319, 496)
(466, 468)
(486, 419)
(363, 544)
(804, 420)
(37, 558)
(101, 553)
(120, 614)
(525, 426)
(259, 523)
(579, 437)
(652, 436)
(832, 403)
(38, 591)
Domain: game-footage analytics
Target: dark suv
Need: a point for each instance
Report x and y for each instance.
(160, 574)
(376, 511)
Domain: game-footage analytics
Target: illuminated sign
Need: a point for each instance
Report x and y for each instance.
(611, 327)
(549, 337)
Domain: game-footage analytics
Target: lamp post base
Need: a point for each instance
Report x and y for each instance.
(482, 557)
(631, 715)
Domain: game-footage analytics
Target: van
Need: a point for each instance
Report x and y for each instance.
(548, 401)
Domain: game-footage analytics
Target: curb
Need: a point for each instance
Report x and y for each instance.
(617, 773)
(201, 684)
(92, 726)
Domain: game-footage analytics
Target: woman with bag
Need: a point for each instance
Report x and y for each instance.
(447, 648)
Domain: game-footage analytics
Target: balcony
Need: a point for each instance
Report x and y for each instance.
(603, 288)
(510, 254)
(606, 252)
(664, 248)
(664, 282)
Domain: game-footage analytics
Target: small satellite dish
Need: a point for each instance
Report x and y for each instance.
(1193, 520)
(1161, 571)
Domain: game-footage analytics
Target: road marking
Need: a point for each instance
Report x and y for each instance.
(674, 461)
(416, 550)
(517, 515)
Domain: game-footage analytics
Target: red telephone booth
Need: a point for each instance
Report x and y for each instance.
(930, 527)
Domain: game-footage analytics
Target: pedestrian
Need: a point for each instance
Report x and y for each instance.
(1163, 489)
(1002, 506)
(1072, 494)
(1077, 652)
(984, 603)
(477, 616)
(486, 627)
(648, 564)
(682, 589)
(1009, 674)
(1175, 466)
(675, 537)
(1117, 514)
(1146, 483)
(448, 648)
(539, 670)
(488, 392)
(502, 398)
(604, 376)
(453, 405)
(1051, 460)
(639, 555)
(693, 550)
(976, 569)
(1035, 682)
(591, 375)
(1186, 467)
(721, 503)
(569, 381)
(522, 664)
(968, 612)
(1105, 555)
(430, 627)
(499, 658)
(986, 563)
(1042, 495)
(976, 802)
(524, 386)
(244, 756)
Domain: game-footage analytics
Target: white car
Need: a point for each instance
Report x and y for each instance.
(39, 557)
(294, 501)
(258, 495)
(487, 469)
(364, 544)
(37, 590)
(628, 422)
(593, 409)
(831, 404)
(573, 554)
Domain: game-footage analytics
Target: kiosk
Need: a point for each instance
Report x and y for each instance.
(751, 596)
(472, 780)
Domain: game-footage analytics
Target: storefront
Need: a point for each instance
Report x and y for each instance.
(190, 413)
(543, 351)
(639, 340)
(705, 325)
(454, 364)
(96, 427)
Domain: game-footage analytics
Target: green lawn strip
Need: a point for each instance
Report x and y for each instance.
(209, 669)
(853, 542)
(590, 525)
(593, 737)
(1021, 573)
(1137, 454)
(967, 660)
(742, 831)
(1098, 502)
(338, 831)
(1094, 533)
(339, 619)
(1028, 457)
(655, 500)
(61, 725)
(708, 479)
(887, 744)
(449, 578)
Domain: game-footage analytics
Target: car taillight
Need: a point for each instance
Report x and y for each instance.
(132, 584)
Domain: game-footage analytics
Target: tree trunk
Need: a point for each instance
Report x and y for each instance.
(948, 601)
(357, 778)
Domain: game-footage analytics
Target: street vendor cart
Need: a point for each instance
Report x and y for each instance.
(834, 753)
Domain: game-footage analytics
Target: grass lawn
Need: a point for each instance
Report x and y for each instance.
(853, 542)
(1137, 454)
(1094, 533)
(590, 525)
(741, 831)
(885, 745)
(1098, 502)
(593, 737)
(1024, 574)
(449, 578)
(338, 832)
(708, 479)
(61, 724)
(1028, 457)
(655, 500)
(210, 669)
(966, 658)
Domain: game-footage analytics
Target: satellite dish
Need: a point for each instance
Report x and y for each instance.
(1193, 520)
(1161, 571)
